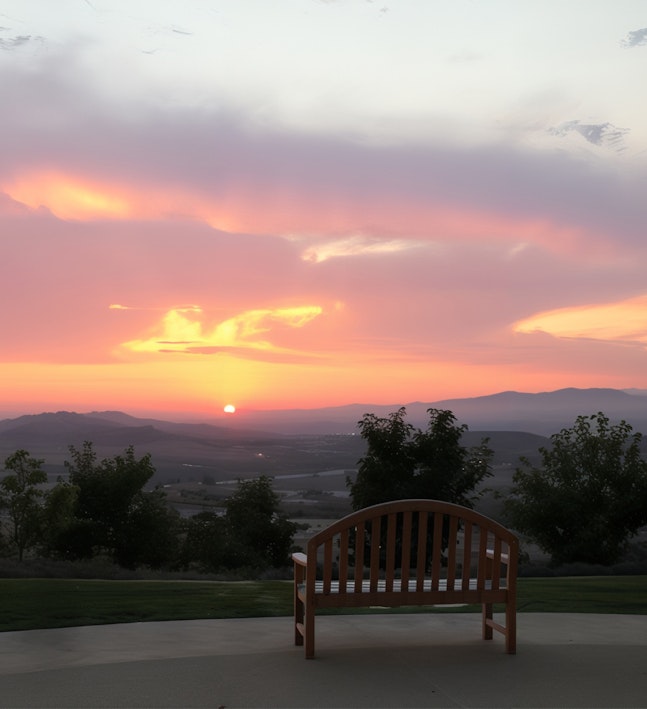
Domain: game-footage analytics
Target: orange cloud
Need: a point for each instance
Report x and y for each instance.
(75, 197)
(328, 224)
(70, 198)
(623, 321)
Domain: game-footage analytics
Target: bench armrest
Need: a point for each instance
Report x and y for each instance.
(300, 559)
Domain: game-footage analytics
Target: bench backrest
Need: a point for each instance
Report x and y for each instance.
(436, 543)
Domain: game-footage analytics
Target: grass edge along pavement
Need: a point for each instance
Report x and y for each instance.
(29, 604)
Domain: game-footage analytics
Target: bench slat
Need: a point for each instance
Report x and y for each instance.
(398, 599)
(421, 560)
(406, 545)
(452, 550)
(482, 558)
(436, 554)
(467, 552)
(366, 586)
(391, 533)
(359, 553)
(376, 527)
(343, 559)
(495, 564)
(327, 565)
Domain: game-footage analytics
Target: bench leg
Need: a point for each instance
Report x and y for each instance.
(487, 616)
(298, 620)
(511, 628)
(299, 576)
(304, 625)
(309, 628)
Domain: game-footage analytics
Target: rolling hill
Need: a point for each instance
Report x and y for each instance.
(305, 441)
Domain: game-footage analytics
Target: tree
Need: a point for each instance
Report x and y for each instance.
(588, 497)
(112, 513)
(404, 462)
(150, 533)
(252, 534)
(59, 520)
(205, 543)
(107, 489)
(21, 496)
(258, 534)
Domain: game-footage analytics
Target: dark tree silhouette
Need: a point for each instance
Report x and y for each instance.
(404, 462)
(21, 496)
(589, 495)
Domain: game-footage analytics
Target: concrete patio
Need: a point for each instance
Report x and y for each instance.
(436, 660)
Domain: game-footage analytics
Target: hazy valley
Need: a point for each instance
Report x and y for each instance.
(309, 453)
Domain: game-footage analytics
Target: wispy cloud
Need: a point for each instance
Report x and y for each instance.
(13, 42)
(601, 134)
(324, 248)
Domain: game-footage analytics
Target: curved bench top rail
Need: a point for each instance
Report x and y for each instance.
(416, 505)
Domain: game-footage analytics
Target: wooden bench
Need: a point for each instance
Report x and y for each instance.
(408, 553)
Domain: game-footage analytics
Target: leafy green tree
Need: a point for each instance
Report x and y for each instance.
(252, 533)
(112, 514)
(150, 535)
(588, 497)
(107, 488)
(21, 495)
(258, 534)
(404, 462)
(205, 543)
(58, 518)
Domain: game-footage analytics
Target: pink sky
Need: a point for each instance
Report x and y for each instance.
(171, 245)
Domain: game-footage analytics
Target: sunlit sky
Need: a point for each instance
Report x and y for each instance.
(305, 203)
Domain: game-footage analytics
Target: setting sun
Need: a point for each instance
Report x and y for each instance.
(230, 409)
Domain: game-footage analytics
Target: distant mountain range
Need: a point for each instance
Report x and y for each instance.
(299, 440)
(542, 414)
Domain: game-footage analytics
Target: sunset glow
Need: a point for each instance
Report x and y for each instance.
(180, 331)
(184, 225)
(69, 198)
(613, 322)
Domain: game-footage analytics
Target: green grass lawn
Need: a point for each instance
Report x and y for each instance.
(54, 603)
